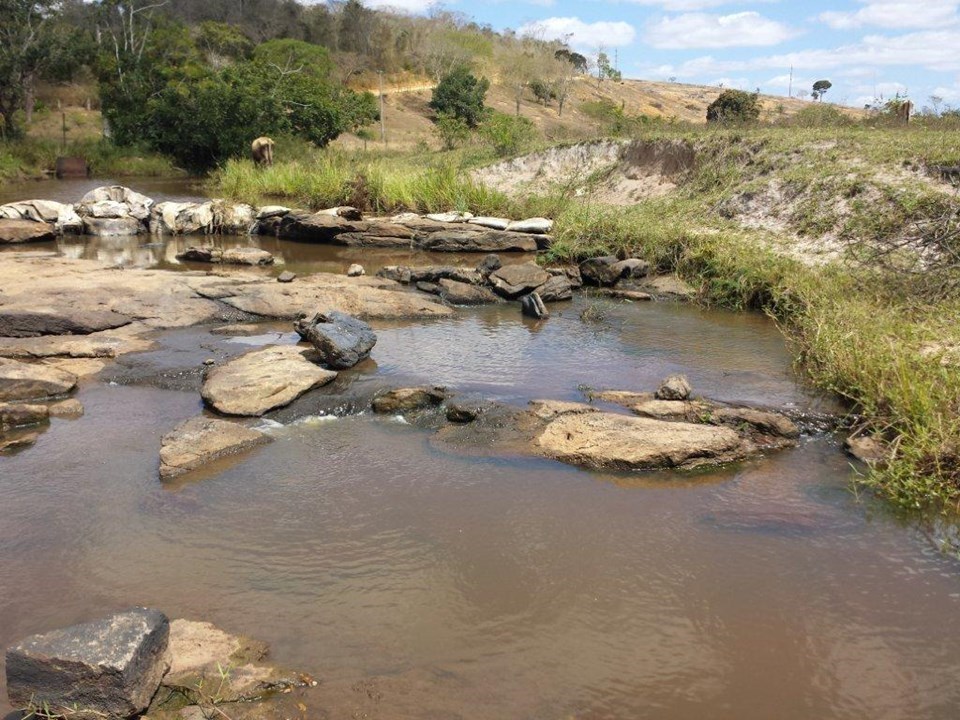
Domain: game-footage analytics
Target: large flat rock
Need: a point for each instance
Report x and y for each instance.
(263, 380)
(29, 381)
(24, 231)
(107, 668)
(462, 240)
(201, 440)
(620, 442)
(69, 321)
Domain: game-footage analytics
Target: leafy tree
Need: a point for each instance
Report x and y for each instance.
(605, 69)
(508, 135)
(543, 91)
(461, 94)
(452, 131)
(222, 41)
(820, 88)
(734, 106)
(578, 61)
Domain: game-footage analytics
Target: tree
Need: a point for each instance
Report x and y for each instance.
(461, 95)
(820, 88)
(605, 70)
(734, 106)
(578, 61)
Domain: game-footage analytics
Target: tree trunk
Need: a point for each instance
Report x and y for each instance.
(519, 93)
(29, 98)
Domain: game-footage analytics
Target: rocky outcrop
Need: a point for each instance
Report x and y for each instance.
(409, 399)
(106, 668)
(28, 381)
(69, 321)
(13, 232)
(200, 440)
(341, 341)
(262, 380)
(62, 216)
(208, 218)
(115, 201)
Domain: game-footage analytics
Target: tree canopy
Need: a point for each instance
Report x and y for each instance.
(461, 94)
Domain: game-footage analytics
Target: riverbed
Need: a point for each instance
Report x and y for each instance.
(414, 581)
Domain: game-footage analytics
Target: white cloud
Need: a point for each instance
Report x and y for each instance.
(582, 35)
(703, 30)
(409, 6)
(895, 14)
(686, 5)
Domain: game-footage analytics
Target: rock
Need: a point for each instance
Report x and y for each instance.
(137, 205)
(458, 293)
(62, 215)
(535, 226)
(867, 449)
(233, 218)
(269, 211)
(466, 410)
(668, 286)
(428, 287)
(532, 306)
(19, 415)
(550, 409)
(71, 321)
(675, 387)
(435, 273)
(488, 241)
(106, 209)
(397, 273)
(177, 218)
(25, 381)
(262, 380)
(318, 227)
(764, 422)
(110, 667)
(600, 271)
(450, 217)
(246, 256)
(112, 227)
(66, 409)
(18, 442)
(286, 277)
(205, 254)
(489, 264)
(25, 231)
(573, 275)
(620, 442)
(631, 268)
(512, 281)
(341, 340)
(556, 289)
(494, 223)
(626, 294)
(356, 270)
(344, 211)
(200, 440)
(408, 399)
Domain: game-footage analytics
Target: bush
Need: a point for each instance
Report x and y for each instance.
(734, 106)
(820, 116)
(508, 134)
(452, 131)
(461, 95)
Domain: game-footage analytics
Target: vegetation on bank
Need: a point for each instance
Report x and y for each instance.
(34, 158)
(866, 324)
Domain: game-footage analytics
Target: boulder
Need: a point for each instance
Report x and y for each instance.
(112, 227)
(106, 668)
(137, 205)
(264, 379)
(512, 281)
(491, 263)
(356, 270)
(397, 273)
(286, 277)
(318, 227)
(246, 256)
(532, 306)
(631, 268)
(620, 442)
(25, 231)
(494, 223)
(458, 293)
(18, 415)
(600, 271)
(233, 218)
(534, 226)
(675, 387)
(341, 340)
(450, 217)
(62, 215)
(27, 381)
(204, 254)
(488, 241)
(269, 211)
(556, 289)
(200, 440)
(435, 273)
(626, 294)
(409, 399)
(177, 218)
(668, 286)
(70, 321)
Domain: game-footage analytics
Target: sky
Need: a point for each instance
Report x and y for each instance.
(867, 48)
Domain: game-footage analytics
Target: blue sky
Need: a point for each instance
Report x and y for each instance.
(862, 46)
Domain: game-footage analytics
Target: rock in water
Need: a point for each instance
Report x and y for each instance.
(200, 440)
(341, 340)
(491, 263)
(246, 256)
(458, 293)
(555, 289)
(262, 380)
(107, 668)
(600, 271)
(18, 415)
(675, 387)
(407, 399)
(24, 231)
(355, 270)
(27, 381)
(532, 306)
(512, 281)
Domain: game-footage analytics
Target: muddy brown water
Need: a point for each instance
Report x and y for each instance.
(414, 582)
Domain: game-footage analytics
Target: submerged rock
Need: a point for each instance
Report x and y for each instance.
(13, 232)
(867, 449)
(409, 399)
(341, 340)
(19, 415)
(200, 440)
(68, 321)
(262, 380)
(106, 668)
(27, 381)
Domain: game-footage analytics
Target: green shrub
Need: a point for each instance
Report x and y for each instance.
(734, 106)
(460, 94)
(508, 134)
(452, 131)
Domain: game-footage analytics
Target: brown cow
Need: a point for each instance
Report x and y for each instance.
(262, 150)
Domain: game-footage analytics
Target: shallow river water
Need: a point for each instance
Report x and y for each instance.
(437, 585)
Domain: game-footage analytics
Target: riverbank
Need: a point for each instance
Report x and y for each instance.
(818, 227)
